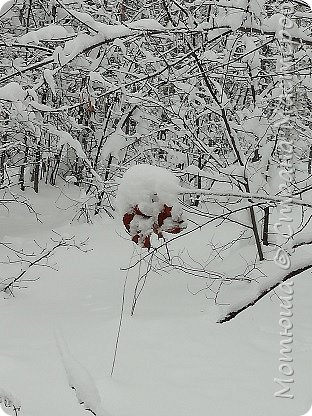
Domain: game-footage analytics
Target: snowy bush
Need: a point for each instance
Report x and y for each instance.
(148, 201)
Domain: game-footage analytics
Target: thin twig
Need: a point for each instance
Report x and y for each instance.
(121, 315)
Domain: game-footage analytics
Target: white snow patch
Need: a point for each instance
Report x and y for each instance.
(12, 92)
(50, 32)
(148, 24)
(114, 143)
(80, 380)
(66, 138)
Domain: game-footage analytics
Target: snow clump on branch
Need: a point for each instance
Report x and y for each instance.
(148, 201)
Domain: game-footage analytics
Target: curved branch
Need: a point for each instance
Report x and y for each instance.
(236, 312)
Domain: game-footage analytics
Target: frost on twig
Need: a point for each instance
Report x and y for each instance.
(20, 264)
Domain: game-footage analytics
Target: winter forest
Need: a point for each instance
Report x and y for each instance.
(155, 207)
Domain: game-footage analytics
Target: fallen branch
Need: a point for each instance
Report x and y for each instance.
(228, 317)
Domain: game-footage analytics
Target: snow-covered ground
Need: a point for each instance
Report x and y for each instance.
(172, 359)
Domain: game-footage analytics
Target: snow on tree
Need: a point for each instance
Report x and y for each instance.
(180, 85)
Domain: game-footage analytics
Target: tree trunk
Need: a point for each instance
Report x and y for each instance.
(310, 161)
(23, 167)
(265, 236)
(2, 169)
(37, 169)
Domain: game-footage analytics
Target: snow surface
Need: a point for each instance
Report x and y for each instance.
(173, 359)
(80, 380)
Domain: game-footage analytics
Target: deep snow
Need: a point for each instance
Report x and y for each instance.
(173, 359)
